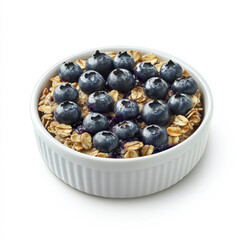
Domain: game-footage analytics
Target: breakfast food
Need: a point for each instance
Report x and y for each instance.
(121, 105)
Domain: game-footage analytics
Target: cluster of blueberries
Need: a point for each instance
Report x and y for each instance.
(104, 73)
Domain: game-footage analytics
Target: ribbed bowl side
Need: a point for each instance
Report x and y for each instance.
(123, 184)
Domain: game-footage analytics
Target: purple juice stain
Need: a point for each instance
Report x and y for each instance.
(139, 83)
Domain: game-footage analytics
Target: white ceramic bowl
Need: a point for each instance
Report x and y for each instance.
(122, 178)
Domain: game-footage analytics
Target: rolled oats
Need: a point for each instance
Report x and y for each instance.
(150, 58)
(180, 120)
(115, 95)
(111, 54)
(134, 145)
(77, 146)
(60, 139)
(159, 65)
(173, 140)
(75, 137)
(63, 130)
(68, 143)
(86, 140)
(81, 63)
(131, 154)
(138, 95)
(174, 131)
(185, 73)
(55, 79)
(147, 150)
(135, 54)
(82, 98)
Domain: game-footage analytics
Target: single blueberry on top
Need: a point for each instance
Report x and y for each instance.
(126, 130)
(145, 70)
(180, 103)
(123, 60)
(154, 135)
(126, 109)
(69, 72)
(100, 101)
(121, 80)
(156, 88)
(91, 81)
(65, 92)
(105, 141)
(101, 63)
(170, 71)
(67, 112)
(95, 122)
(185, 85)
(155, 112)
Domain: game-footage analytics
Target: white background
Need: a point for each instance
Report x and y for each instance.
(34, 204)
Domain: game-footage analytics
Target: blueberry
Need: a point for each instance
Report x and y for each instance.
(91, 81)
(180, 103)
(156, 88)
(126, 130)
(100, 101)
(69, 72)
(155, 112)
(101, 63)
(67, 112)
(65, 92)
(126, 109)
(95, 122)
(145, 70)
(170, 71)
(123, 60)
(105, 141)
(121, 80)
(185, 85)
(154, 135)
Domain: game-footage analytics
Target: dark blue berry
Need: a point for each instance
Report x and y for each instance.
(105, 141)
(170, 71)
(101, 63)
(156, 88)
(67, 112)
(126, 130)
(145, 70)
(180, 104)
(69, 72)
(100, 101)
(121, 80)
(65, 92)
(155, 112)
(91, 81)
(126, 109)
(95, 122)
(123, 60)
(154, 135)
(185, 85)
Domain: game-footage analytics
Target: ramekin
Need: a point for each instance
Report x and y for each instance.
(122, 178)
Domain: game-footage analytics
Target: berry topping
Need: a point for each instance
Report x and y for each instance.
(69, 72)
(154, 135)
(185, 85)
(100, 101)
(123, 60)
(155, 112)
(126, 109)
(67, 112)
(95, 122)
(145, 70)
(126, 130)
(180, 103)
(170, 71)
(65, 92)
(121, 80)
(101, 63)
(91, 81)
(156, 88)
(105, 141)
